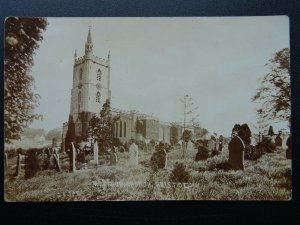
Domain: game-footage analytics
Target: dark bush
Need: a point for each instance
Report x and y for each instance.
(158, 158)
(266, 145)
(81, 157)
(253, 153)
(215, 152)
(11, 153)
(202, 154)
(179, 174)
(223, 166)
(31, 164)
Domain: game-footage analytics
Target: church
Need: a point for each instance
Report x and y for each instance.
(90, 90)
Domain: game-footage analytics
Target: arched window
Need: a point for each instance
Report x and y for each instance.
(98, 97)
(79, 96)
(80, 74)
(120, 128)
(116, 129)
(99, 74)
(124, 129)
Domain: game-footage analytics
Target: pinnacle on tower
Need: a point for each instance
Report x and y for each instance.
(75, 54)
(89, 43)
(89, 37)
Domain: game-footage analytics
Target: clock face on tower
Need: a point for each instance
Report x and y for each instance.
(98, 86)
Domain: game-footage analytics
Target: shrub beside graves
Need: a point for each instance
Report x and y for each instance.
(253, 152)
(158, 158)
(179, 174)
(202, 154)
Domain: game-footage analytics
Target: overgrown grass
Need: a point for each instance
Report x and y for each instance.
(267, 178)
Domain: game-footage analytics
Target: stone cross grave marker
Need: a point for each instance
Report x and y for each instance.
(134, 154)
(236, 149)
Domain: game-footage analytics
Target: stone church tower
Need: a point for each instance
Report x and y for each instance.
(91, 86)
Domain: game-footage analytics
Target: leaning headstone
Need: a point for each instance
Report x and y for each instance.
(56, 162)
(96, 152)
(72, 161)
(236, 153)
(6, 161)
(134, 154)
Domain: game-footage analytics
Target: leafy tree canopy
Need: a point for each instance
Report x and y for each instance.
(22, 37)
(101, 128)
(274, 93)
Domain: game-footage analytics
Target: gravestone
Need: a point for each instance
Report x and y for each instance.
(43, 159)
(72, 160)
(134, 154)
(236, 153)
(96, 153)
(20, 164)
(220, 145)
(211, 145)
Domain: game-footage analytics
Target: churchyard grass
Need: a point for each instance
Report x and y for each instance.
(267, 178)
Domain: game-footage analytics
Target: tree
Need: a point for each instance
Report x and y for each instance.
(101, 128)
(188, 116)
(274, 93)
(244, 132)
(22, 37)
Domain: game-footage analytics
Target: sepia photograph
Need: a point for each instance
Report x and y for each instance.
(147, 108)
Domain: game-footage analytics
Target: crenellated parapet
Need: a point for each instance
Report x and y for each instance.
(95, 59)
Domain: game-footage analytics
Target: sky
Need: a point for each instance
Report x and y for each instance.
(218, 61)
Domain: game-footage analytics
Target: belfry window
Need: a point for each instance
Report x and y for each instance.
(80, 74)
(98, 97)
(99, 74)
